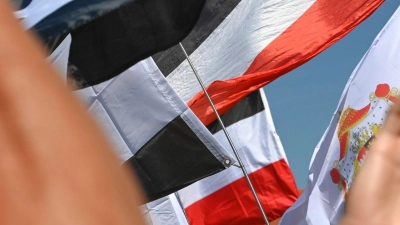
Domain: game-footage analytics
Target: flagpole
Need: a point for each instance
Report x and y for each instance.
(181, 205)
(227, 136)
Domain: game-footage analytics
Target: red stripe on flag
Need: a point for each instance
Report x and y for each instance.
(235, 204)
(324, 23)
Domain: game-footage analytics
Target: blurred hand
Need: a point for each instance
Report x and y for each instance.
(55, 165)
(375, 196)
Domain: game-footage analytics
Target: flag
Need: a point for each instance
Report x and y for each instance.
(238, 46)
(225, 198)
(153, 130)
(339, 156)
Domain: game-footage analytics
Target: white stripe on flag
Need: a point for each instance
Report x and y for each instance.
(122, 150)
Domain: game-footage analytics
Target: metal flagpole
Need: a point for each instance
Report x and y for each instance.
(181, 205)
(227, 136)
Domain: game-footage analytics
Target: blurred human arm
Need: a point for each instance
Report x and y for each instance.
(55, 165)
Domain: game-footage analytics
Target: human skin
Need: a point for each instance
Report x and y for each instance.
(375, 196)
(56, 167)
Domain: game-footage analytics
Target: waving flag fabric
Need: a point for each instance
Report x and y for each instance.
(225, 198)
(240, 46)
(370, 92)
(154, 131)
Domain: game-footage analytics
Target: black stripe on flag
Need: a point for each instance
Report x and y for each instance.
(111, 44)
(246, 108)
(214, 12)
(152, 163)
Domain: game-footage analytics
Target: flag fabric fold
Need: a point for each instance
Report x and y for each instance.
(153, 130)
(370, 92)
(253, 42)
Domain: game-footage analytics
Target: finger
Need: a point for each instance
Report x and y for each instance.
(392, 123)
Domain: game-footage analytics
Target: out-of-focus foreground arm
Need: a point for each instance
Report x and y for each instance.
(374, 198)
(55, 165)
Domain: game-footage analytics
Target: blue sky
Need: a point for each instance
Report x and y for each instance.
(303, 101)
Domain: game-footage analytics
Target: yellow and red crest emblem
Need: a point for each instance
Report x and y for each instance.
(356, 132)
